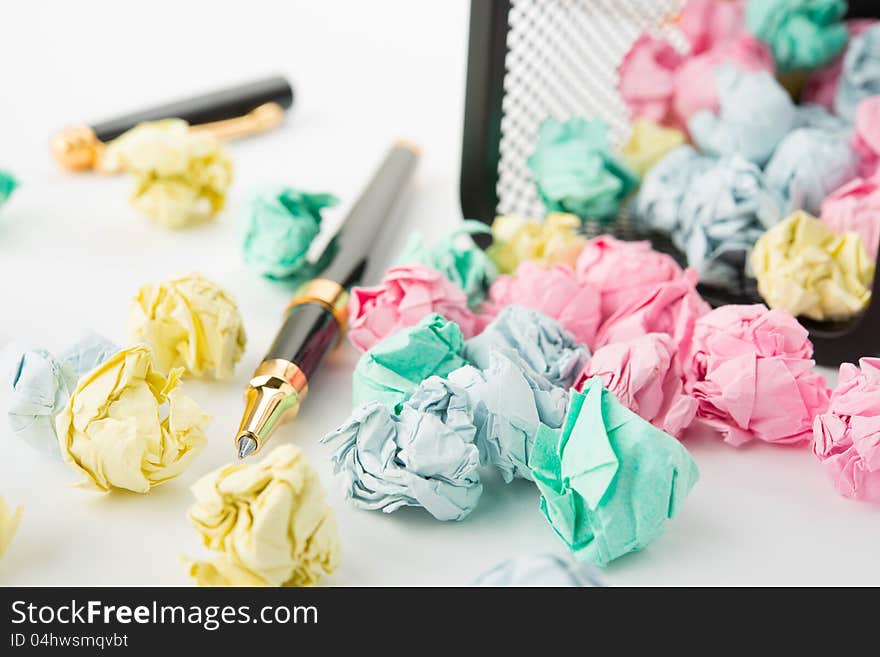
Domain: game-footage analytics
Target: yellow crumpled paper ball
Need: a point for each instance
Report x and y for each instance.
(112, 429)
(189, 322)
(269, 520)
(181, 176)
(9, 520)
(553, 241)
(648, 143)
(810, 271)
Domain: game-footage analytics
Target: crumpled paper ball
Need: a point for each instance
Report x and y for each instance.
(539, 570)
(458, 258)
(856, 207)
(393, 368)
(821, 86)
(546, 348)
(39, 385)
(406, 294)
(860, 78)
(609, 480)
(8, 184)
(576, 172)
(696, 83)
(802, 34)
(803, 267)
(556, 292)
(509, 401)
(425, 456)
(189, 322)
(708, 24)
(845, 436)
(278, 226)
(816, 116)
(808, 165)
(755, 113)
(554, 241)
(9, 521)
(751, 371)
(664, 187)
(645, 376)
(648, 143)
(723, 212)
(646, 79)
(181, 176)
(114, 430)
(866, 137)
(269, 521)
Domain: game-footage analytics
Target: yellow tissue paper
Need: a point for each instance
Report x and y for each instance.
(181, 176)
(550, 242)
(9, 520)
(807, 269)
(189, 322)
(114, 429)
(648, 143)
(269, 520)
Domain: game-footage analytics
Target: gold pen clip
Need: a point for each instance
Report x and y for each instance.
(79, 149)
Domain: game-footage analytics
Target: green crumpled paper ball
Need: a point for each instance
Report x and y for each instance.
(278, 226)
(609, 480)
(802, 34)
(7, 185)
(576, 172)
(392, 369)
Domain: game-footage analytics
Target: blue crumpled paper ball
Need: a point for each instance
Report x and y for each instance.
(860, 78)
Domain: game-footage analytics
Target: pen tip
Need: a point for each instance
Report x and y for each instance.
(246, 446)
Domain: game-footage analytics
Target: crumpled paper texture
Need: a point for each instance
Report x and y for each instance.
(509, 401)
(9, 521)
(458, 258)
(393, 368)
(856, 207)
(575, 170)
(866, 137)
(555, 240)
(647, 79)
(424, 457)
(751, 370)
(8, 184)
(556, 292)
(648, 143)
(821, 86)
(189, 322)
(406, 294)
(708, 24)
(755, 113)
(808, 165)
(645, 376)
(845, 437)
(816, 116)
(860, 78)
(181, 176)
(539, 570)
(39, 385)
(543, 345)
(269, 521)
(609, 480)
(112, 430)
(803, 267)
(802, 34)
(278, 226)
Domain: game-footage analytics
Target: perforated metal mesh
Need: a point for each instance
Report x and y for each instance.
(562, 62)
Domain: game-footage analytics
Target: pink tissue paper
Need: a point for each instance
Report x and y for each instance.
(866, 136)
(855, 207)
(647, 79)
(709, 23)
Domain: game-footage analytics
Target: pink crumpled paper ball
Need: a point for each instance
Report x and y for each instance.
(695, 85)
(647, 79)
(645, 376)
(865, 139)
(751, 371)
(555, 291)
(821, 86)
(406, 295)
(623, 271)
(846, 439)
(855, 207)
(709, 23)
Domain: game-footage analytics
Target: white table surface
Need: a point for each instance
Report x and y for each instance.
(72, 254)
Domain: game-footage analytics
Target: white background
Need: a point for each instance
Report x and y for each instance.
(72, 254)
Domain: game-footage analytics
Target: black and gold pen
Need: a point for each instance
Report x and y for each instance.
(316, 319)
